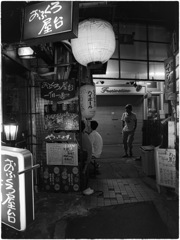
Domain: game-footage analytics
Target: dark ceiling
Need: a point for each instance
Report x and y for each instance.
(154, 12)
(163, 12)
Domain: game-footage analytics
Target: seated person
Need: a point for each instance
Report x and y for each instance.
(96, 140)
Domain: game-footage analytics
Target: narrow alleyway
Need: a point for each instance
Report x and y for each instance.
(125, 204)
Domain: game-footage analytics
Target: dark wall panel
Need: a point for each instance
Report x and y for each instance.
(119, 100)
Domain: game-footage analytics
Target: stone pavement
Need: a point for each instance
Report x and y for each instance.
(120, 183)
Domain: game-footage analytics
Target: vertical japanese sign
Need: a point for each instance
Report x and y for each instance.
(50, 18)
(88, 101)
(17, 196)
(10, 205)
(169, 79)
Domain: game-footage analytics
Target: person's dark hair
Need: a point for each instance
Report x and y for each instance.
(128, 106)
(82, 126)
(94, 124)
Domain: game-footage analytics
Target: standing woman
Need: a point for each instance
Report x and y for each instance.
(129, 124)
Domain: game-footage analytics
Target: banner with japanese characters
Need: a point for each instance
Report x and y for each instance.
(169, 79)
(50, 20)
(58, 90)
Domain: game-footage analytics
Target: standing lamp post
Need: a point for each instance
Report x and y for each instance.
(10, 131)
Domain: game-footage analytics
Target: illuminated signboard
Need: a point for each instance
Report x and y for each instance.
(17, 195)
(119, 90)
(50, 21)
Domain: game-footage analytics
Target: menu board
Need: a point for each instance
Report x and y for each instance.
(62, 121)
(62, 154)
(58, 90)
(165, 167)
(61, 116)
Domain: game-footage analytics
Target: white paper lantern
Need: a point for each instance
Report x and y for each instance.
(88, 101)
(95, 42)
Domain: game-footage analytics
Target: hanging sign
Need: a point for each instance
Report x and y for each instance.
(50, 21)
(119, 90)
(169, 79)
(58, 90)
(88, 101)
(17, 193)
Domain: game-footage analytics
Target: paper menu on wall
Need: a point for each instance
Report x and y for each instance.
(165, 167)
(62, 154)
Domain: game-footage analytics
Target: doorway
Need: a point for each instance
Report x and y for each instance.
(109, 112)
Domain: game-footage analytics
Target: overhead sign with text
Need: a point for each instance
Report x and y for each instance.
(119, 90)
(58, 90)
(49, 19)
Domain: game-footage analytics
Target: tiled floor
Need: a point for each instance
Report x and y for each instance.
(117, 191)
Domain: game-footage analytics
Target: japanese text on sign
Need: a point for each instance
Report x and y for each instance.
(59, 90)
(46, 17)
(9, 168)
(169, 79)
(90, 99)
(166, 171)
(50, 21)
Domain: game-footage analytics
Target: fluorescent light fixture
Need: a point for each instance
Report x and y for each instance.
(26, 52)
